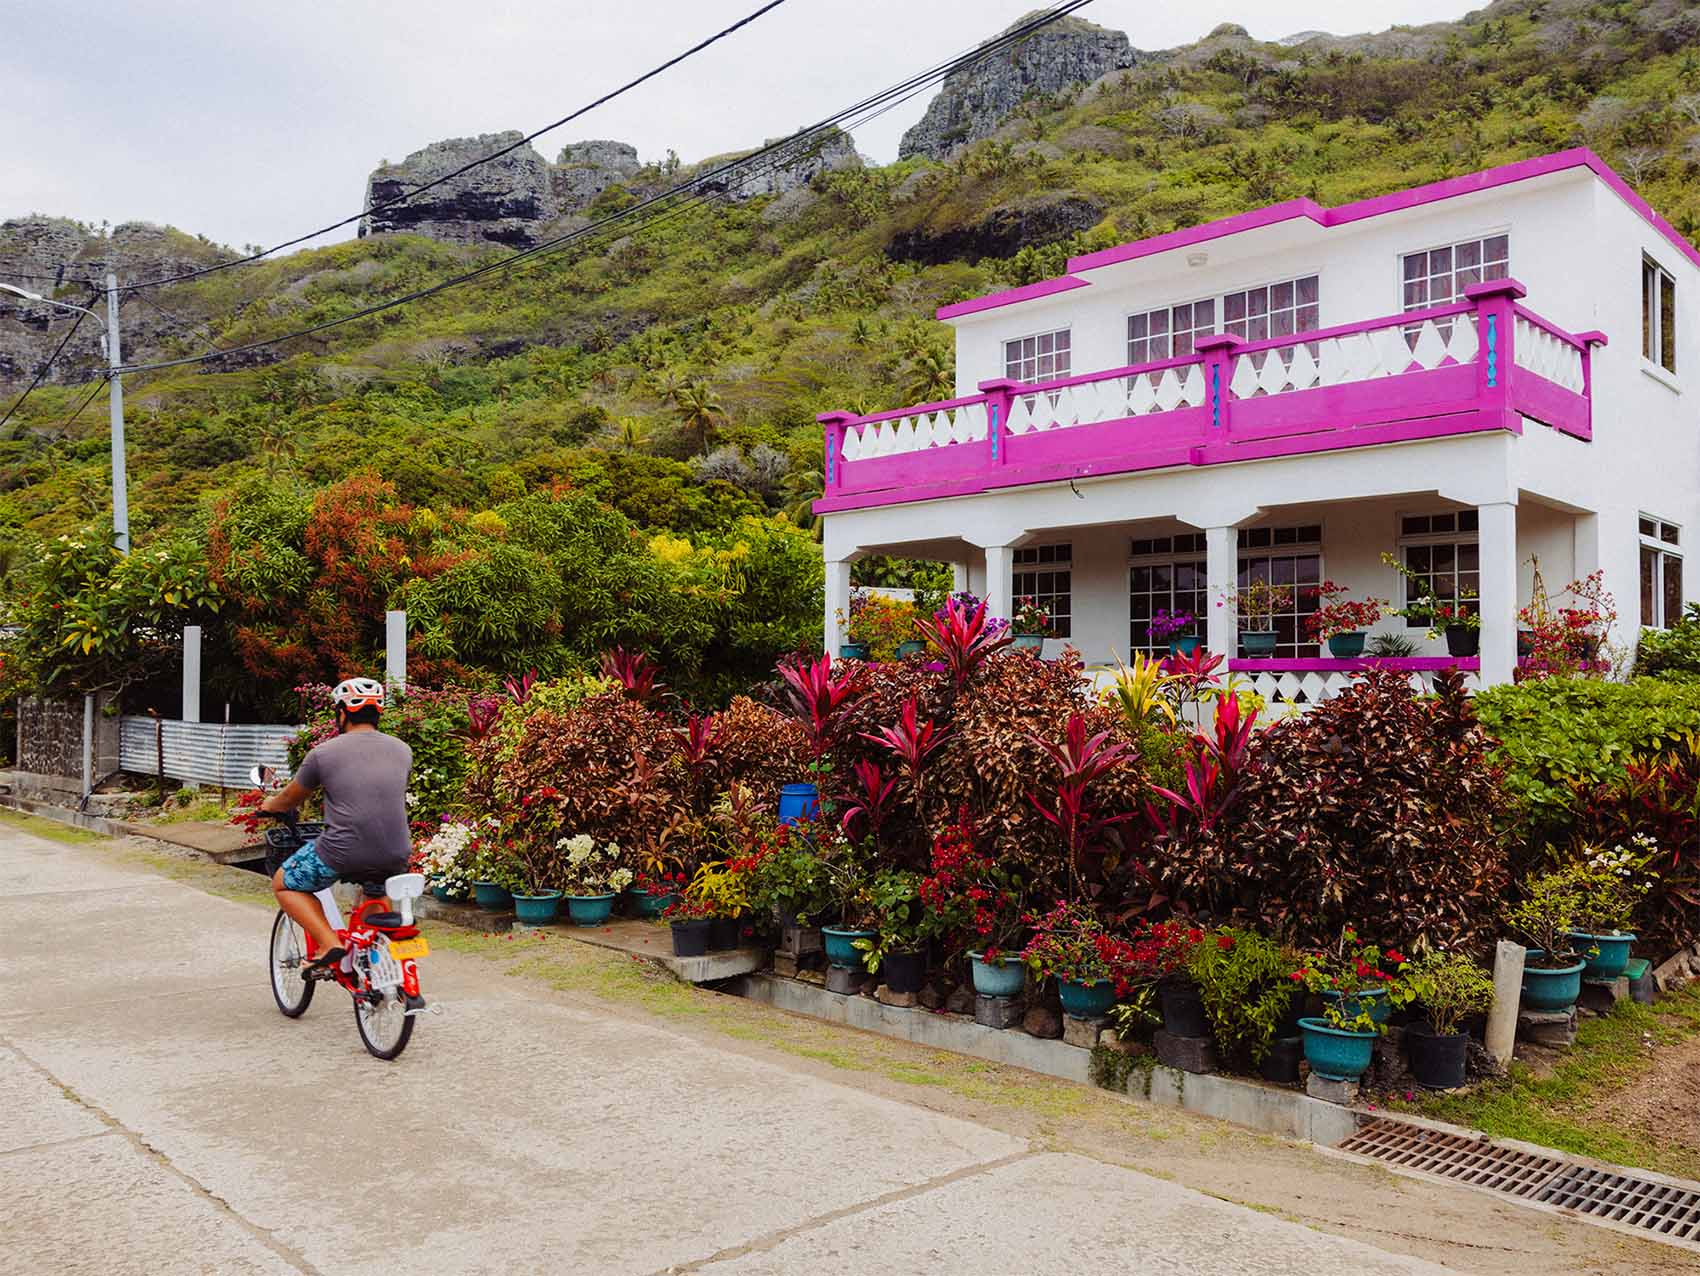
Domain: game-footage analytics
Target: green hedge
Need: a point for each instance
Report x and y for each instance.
(1559, 732)
(1673, 652)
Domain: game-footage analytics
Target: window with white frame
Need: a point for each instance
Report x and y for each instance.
(1169, 333)
(1274, 310)
(1661, 572)
(1167, 573)
(1041, 357)
(1290, 556)
(1045, 574)
(1443, 555)
(1658, 315)
(1438, 276)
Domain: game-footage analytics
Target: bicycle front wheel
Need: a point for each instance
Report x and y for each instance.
(383, 1021)
(290, 987)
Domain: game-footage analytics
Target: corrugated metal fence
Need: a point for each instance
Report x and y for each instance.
(204, 752)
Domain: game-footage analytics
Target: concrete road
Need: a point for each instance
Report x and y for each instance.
(157, 1115)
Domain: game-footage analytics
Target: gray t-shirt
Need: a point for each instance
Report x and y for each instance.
(364, 776)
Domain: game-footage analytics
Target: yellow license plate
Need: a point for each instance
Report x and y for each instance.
(402, 949)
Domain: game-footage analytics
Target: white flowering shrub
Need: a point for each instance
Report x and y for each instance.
(587, 869)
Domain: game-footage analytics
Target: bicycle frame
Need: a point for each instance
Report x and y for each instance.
(357, 937)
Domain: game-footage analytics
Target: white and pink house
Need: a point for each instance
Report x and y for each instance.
(1471, 376)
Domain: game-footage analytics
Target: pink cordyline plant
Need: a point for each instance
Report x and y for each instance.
(1212, 771)
(697, 738)
(814, 695)
(911, 742)
(482, 714)
(1070, 808)
(519, 689)
(634, 671)
(964, 638)
(868, 800)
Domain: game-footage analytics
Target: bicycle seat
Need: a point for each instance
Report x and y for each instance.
(383, 921)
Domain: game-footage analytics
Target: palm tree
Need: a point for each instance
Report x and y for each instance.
(633, 433)
(277, 444)
(931, 377)
(699, 411)
(802, 489)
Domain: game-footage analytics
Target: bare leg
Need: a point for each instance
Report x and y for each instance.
(304, 910)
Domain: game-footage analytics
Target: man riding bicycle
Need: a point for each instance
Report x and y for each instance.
(363, 773)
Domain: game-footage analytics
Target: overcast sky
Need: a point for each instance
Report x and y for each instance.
(251, 122)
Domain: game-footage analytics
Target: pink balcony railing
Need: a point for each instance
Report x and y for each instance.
(1486, 363)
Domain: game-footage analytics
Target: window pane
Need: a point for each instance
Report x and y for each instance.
(1414, 526)
(1498, 248)
(1649, 574)
(1416, 295)
(1309, 290)
(1668, 533)
(1649, 285)
(1469, 255)
(1673, 590)
(1204, 316)
(1667, 323)
(1469, 520)
(1257, 302)
(1649, 527)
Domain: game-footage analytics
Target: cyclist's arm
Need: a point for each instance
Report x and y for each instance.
(287, 798)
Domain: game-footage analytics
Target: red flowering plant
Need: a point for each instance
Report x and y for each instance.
(1163, 950)
(1338, 614)
(976, 897)
(1070, 942)
(1349, 973)
(1561, 642)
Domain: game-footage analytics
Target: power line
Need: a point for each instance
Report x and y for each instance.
(66, 424)
(181, 322)
(485, 159)
(780, 152)
(42, 370)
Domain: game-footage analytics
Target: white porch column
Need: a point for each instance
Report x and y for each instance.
(395, 649)
(1000, 580)
(1222, 570)
(837, 600)
(959, 578)
(1498, 539)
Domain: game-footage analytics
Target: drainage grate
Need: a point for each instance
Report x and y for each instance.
(1649, 1207)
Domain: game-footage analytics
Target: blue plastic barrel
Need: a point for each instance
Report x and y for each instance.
(798, 802)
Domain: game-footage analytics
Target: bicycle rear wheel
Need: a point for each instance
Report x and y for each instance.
(384, 1024)
(290, 988)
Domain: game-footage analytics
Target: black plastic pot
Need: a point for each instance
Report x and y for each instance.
(1183, 1009)
(905, 972)
(1296, 1010)
(1461, 640)
(690, 939)
(1281, 1064)
(723, 932)
(1437, 1062)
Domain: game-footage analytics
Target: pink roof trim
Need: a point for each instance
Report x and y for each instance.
(1027, 292)
(1377, 206)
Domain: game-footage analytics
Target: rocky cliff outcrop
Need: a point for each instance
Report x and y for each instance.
(52, 256)
(786, 169)
(977, 98)
(501, 201)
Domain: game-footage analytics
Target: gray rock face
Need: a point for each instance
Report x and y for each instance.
(787, 169)
(1041, 219)
(977, 98)
(586, 169)
(503, 201)
(51, 256)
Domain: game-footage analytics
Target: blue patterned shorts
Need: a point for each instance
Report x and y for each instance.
(305, 871)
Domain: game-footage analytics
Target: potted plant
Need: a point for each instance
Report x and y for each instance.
(1243, 985)
(977, 898)
(848, 901)
(1610, 886)
(591, 877)
(1545, 917)
(1069, 944)
(1357, 978)
(904, 925)
(1449, 987)
(786, 878)
(689, 920)
(492, 876)
(1170, 627)
(859, 627)
(1342, 622)
(1030, 625)
(535, 866)
(1162, 952)
(652, 896)
(1257, 605)
(446, 859)
(1460, 621)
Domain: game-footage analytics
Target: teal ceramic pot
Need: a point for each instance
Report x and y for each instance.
(1373, 1000)
(1002, 978)
(1610, 959)
(447, 896)
(644, 904)
(590, 910)
(1028, 642)
(1552, 990)
(852, 651)
(1187, 646)
(1337, 1053)
(1086, 1000)
(1255, 642)
(914, 647)
(841, 948)
(491, 897)
(537, 909)
(1346, 646)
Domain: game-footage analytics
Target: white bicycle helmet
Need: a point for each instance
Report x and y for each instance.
(354, 694)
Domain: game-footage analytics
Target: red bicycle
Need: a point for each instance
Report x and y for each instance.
(380, 972)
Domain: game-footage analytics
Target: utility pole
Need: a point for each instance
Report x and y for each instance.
(114, 361)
